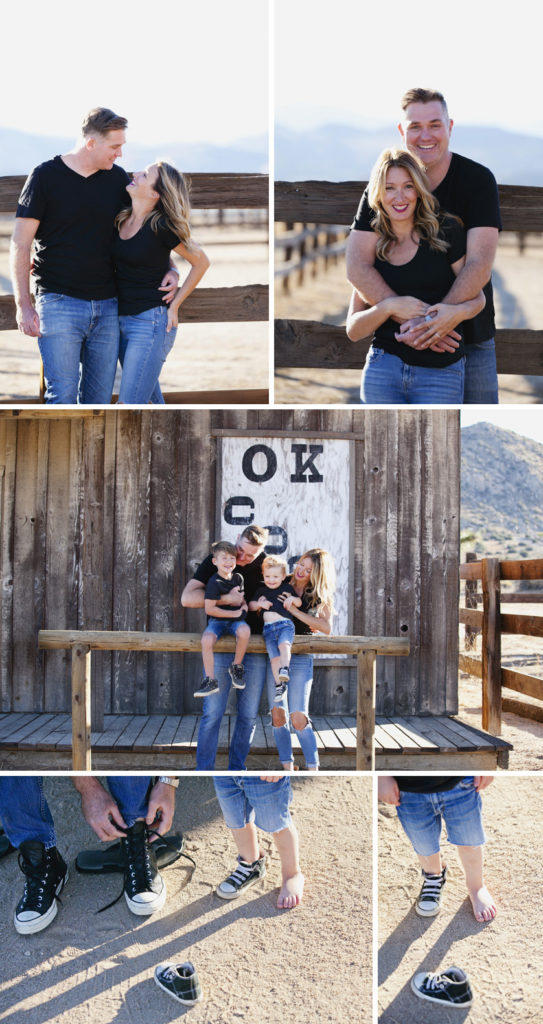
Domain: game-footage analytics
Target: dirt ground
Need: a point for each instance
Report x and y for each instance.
(205, 356)
(255, 963)
(518, 299)
(503, 958)
(524, 654)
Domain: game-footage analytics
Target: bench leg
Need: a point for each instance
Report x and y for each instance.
(81, 708)
(365, 711)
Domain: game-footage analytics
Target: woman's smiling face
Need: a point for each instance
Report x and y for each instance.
(400, 195)
(303, 571)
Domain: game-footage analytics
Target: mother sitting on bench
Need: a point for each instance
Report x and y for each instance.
(314, 581)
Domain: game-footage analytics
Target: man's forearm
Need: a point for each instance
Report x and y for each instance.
(471, 279)
(369, 284)
(20, 272)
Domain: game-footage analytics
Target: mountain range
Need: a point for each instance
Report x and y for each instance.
(347, 152)
(21, 151)
(502, 492)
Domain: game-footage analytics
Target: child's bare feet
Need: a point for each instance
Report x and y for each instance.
(291, 892)
(483, 905)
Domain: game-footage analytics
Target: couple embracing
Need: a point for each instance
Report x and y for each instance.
(313, 581)
(98, 245)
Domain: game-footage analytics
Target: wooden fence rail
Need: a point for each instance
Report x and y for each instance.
(308, 344)
(308, 247)
(241, 304)
(493, 623)
(82, 642)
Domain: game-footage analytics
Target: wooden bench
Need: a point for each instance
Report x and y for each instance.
(82, 642)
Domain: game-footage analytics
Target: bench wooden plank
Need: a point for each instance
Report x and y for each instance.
(167, 731)
(466, 740)
(187, 732)
(25, 734)
(8, 725)
(415, 735)
(114, 725)
(327, 734)
(129, 736)
(150, 730)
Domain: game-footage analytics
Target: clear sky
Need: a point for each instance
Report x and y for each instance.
(525, 420)
(177, 70)
(351, 62)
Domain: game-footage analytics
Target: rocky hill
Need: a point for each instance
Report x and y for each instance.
(502, 492)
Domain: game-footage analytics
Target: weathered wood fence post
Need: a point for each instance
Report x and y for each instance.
(491, 653)
(470, 633)
(81, 708)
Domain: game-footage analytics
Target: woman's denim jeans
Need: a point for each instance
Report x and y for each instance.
(144, 346)
(387, 380)
(79, 346)
(25, 814)
(295, 699)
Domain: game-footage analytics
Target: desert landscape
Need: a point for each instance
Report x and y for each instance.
(255, 962)
(502, 958)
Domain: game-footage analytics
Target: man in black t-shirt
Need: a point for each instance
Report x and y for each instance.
(250, 555)
(64, 230)
(468, 190)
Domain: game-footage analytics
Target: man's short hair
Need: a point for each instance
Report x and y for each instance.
(223, 545)
(101, 120)
(423, 96)
(275, 562)
(256, 535)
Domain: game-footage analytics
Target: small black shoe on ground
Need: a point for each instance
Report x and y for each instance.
(450, 987)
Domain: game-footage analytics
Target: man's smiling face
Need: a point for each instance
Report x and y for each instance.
(426, 130)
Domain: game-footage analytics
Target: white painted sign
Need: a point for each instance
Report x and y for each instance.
(300, 490)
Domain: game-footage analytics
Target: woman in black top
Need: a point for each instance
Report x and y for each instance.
(420, 251)
(156, 223)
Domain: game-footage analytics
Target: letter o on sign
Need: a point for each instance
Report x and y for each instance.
(248, 459)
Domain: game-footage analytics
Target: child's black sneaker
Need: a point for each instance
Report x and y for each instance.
(284, 674)
(237, 675)
(280, 690)
(208, 687)
(144, 889)
(450, 988)
(180, 981)
(429, 899)
(244, 876)
(45, 875)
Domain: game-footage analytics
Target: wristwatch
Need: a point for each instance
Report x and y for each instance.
(169, 780)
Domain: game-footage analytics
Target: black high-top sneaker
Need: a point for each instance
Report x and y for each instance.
(144, 889)
(45, 875)
(429, 899)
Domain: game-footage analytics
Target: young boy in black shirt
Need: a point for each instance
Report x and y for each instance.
(223, 618)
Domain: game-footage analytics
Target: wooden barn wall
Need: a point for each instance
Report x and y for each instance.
(103, 519)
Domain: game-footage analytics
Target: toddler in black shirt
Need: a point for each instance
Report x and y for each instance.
(278, 625)
(223, 618)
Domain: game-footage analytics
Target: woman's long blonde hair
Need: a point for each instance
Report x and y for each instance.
(321, 586)
(427, 222)
(173, 204)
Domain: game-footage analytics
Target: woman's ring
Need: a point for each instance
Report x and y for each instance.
(428, 318)
(436, 335)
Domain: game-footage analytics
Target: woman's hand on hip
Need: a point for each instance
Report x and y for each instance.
(173, 320)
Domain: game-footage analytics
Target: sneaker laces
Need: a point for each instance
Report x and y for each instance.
(431, 886)
(241, 873)
(39, 882)
(145, 867)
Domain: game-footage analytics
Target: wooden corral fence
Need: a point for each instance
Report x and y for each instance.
(240, 304)
(307, 344)
(81, 643)
(493, 623)
(309, 245)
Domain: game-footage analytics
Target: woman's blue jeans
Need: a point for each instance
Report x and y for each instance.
(387, 380)
(144, 346)
(295, 699)
(248, 701)
(25, 814)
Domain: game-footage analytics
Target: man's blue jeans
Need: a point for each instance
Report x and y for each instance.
(25, 814)
(248, 701)
(481, 378)
(79, 346)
